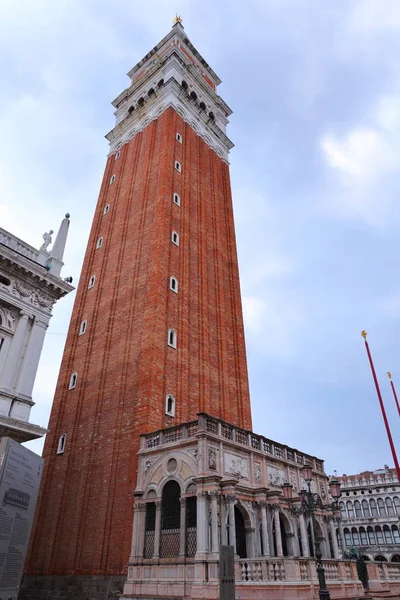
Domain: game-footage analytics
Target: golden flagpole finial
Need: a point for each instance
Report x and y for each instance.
(389, 375)
(177, 19)
(364, 334)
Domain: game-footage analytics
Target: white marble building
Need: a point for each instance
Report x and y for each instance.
(30, 284)
(370, 513)
(206, 483)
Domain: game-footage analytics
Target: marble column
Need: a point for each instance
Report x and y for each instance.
(14, 355)
(157, 533)
(30, 361)
(134, 532)
(278, 533)
(141, 529)
(224, 513)
(334, 539)
(230, 500)
(182, 531)
(264, 528)
(139, 511)
(214, 495)
(202, 522)
(341, 534)
(304, 536)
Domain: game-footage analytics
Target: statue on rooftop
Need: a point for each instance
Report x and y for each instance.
(47, 240)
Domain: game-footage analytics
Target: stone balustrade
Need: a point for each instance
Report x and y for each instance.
(220, 429)
(18, 245)
(291, 575)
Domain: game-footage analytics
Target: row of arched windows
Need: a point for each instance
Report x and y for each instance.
(193, 96)
(370, 508)
(371, 536)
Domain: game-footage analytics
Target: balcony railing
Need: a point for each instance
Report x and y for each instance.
(224, 430)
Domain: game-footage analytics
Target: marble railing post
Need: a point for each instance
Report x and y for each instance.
(304, 536)
(214, 495)
(182, 531)
(264, 528)
(334, 539)
(278, 534)
(157, 533)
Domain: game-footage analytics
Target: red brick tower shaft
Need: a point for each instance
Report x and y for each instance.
(156, 333)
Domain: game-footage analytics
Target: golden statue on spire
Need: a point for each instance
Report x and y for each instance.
(389, 375)
(177, 19)
(364, 334)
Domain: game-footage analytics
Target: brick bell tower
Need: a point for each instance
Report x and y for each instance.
(156, 334)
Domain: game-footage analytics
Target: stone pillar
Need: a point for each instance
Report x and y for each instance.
(157, 533)
(214, 521)
(141, 529)
(14, 355)
(182, 531)
(134, 532)
(304, 536)
(278, 534)
(202, 523)
(334, 539)
(341, 535)
(30, 362)
(224, 512)
(230, 500)
(264, 528)
(139, 511)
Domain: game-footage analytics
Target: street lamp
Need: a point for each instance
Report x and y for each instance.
(309, 503)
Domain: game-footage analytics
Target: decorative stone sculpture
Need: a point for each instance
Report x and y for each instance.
(212, 459)
(47, 240)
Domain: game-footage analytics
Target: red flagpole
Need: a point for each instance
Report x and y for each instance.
(394, 392)
(378, 391)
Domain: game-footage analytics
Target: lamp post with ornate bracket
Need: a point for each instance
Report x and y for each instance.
(310, 502)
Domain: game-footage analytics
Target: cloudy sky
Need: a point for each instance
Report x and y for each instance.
(315, 90)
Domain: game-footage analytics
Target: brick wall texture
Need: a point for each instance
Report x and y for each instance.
(125, 367)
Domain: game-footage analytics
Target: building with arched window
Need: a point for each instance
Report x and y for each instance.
(369, 514)
(153, 397)
(30, 284)
(208, 483)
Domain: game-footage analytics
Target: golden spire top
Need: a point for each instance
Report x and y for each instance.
(389, 375)
(177, 19)
(364, 334)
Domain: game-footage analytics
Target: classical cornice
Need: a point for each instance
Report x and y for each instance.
(33, 272)
(20, 431)
(170, 95)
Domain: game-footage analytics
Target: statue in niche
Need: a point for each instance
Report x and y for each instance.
(47, 240)
(212, 459)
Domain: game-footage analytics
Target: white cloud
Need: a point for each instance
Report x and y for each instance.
(388, 113)
(272, 323)
(363, 155)
(374, 15)
(391, 305)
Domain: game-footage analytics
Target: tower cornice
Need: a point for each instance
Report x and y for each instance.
(170, 95)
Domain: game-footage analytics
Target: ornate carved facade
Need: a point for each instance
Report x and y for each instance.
(30, 284)
(370, 512)
(219, 484)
